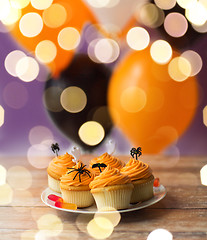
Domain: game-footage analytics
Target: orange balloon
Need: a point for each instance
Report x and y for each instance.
(151, 108)
(68, 13)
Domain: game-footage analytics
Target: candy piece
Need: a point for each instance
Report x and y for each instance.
(65, 205)
(53, 197)
(156, 182)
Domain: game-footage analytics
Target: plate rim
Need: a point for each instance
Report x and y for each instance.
(158, 196)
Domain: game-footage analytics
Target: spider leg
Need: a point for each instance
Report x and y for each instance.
(99, 169)
(79, 177)
(75, 175)
(71, 171)
(88, 174)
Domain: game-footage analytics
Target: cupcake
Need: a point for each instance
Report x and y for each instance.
(57, 167)
(106, 159)
(74, 186)
(141, 177)
(111, 189)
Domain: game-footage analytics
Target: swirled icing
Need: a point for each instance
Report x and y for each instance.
(136, 170)
(71, 179)
(59, 164)
(109, 177)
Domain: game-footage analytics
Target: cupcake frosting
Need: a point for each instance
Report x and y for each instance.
(109, 177)
(109, 160)
(75, 178)
(136, 170)
(59, 164)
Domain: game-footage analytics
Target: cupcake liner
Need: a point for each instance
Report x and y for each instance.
(54, 184)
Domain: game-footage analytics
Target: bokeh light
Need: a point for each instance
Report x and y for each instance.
(73, 99)
(50, 224)
(165, 4)
(19, 178)
(40, 4)
(201, 28)
(195, 60)
(114, 216)
(175, 24)
(101, 115)
(69, 38)
(4, 8)
(161, 51)
(179, 69)
(15, 95)
(82, 221)
(91, 133)
(138, 38)
(12, 17)
(203, 175)
(19, 4)
(45, 51)
(106, 50)
(133, 99)
(155, 100)
(11, 61)
(51, 99)
(161, 234)
(39, 155)
(54, 16)
(31, 24)
(186, 3)
(27, 69)
(6, 194)
(39, 134)
(100, 228)
(205, 116)
(91, 50)
(150, 15)
(1, 115)
(3, 174)
(98, 3)
(28, 235)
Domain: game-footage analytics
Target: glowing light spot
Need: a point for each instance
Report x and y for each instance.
(12, 17)
(102, 116)
(19, 4)
(52, 99)
(106, 50)
(138, 38)
(15, 95)
(155, 100)
(195, 60)
(11, 61)
(55, 16)
(2, 175)
(50, 224)
(19, 178)
(1, 116)
(196, 14)
(133, 99)
(39, 134)
(114, 216)
(46, 51)
(38, 155)
(186, 3)
(91, 50)
(201, 28)
(41, 5)
(73, 99)
(179, 69)
(100, 228)
(91, 133)
(161, 234)
(165, 4)
(31, 24)
(175, 24)
(205, 116)
(82, 221)
(98, 3)
(27, 69)
(161, 52)
(68, 38)
(4, 8)
(28, 235)
(112, 3)
(203, 175)
(6, 194)
(150, 15)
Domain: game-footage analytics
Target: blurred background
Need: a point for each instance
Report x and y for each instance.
(82, 73)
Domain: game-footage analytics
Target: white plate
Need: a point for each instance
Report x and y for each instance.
(159, 194)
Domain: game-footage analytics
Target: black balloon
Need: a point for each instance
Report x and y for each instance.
(93, 79)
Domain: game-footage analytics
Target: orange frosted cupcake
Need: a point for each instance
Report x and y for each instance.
(141, 176)
(74, 186)
(111, 190)
(108, 160)
(57, 167)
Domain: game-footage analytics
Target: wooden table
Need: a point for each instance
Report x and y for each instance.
(183, 211)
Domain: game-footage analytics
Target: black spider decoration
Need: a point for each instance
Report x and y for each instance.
(80, 171)
(137, 152)
(99, 165)
(55, 148)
